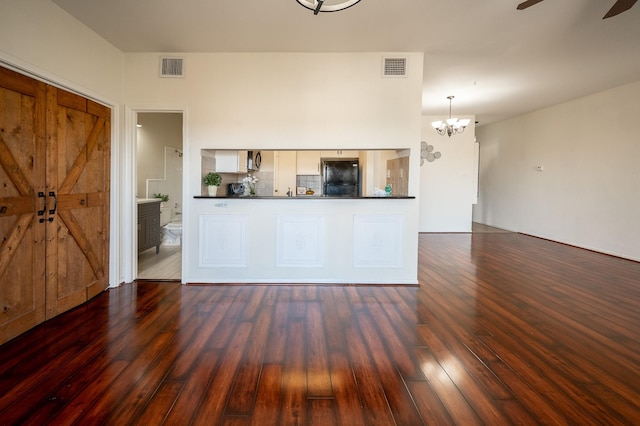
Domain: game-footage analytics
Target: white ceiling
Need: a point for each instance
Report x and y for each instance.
(497, 61)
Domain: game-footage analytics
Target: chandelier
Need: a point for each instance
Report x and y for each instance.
(330, 6)
(452, 125)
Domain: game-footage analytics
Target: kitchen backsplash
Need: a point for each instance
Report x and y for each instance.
(264, 186)
(312, 182)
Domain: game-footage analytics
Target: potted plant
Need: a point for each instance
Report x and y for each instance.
(163, 197)
(250, 184)
(212, 180)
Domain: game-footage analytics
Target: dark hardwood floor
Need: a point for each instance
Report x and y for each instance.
(503, 329)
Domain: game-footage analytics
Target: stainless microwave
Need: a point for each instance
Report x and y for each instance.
(254, 159)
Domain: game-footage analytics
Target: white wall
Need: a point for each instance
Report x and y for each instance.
(40, 37)
(283, 101)
(157, 131)
(447, 185)
(588, 194)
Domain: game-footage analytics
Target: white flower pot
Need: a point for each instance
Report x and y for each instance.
(213, 190)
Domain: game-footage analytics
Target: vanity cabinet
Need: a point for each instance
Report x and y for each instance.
(149, 225)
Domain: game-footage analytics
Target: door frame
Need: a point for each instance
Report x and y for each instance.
(129, 172)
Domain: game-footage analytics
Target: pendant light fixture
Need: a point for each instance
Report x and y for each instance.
(452, 125)
(327, 5)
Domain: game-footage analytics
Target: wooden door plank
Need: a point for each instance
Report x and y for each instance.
(72, 201)
(19, 83)
(22, 170)
(8, 162)
(15, 206)
(79, 235)
(78, 174)
(71, 100)
(81, 160)
(10, 245)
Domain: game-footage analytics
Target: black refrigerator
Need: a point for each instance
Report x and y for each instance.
(340, 178)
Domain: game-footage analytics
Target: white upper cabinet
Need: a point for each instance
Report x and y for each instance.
(231, 161)
(308, 163)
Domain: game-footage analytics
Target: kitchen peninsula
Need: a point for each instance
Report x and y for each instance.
(309, 236)
(336, 240)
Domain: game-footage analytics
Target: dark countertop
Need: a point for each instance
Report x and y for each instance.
(305, 197)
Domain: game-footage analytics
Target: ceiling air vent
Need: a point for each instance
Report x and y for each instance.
(171, 67)
(394, 67)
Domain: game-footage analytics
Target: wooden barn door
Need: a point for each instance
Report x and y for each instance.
(54, 201)
(78, 175)
(22, 215)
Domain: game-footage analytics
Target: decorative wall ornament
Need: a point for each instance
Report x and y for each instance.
(223, 241)
(426, 153)
(377, 241)
(300, 241)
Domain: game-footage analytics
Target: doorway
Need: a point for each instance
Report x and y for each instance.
(159, 174)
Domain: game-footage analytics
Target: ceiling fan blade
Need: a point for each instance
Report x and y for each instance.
(528, 3)
(315, 12)
(619, 7)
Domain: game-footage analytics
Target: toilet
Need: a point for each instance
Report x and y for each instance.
(171, 229)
